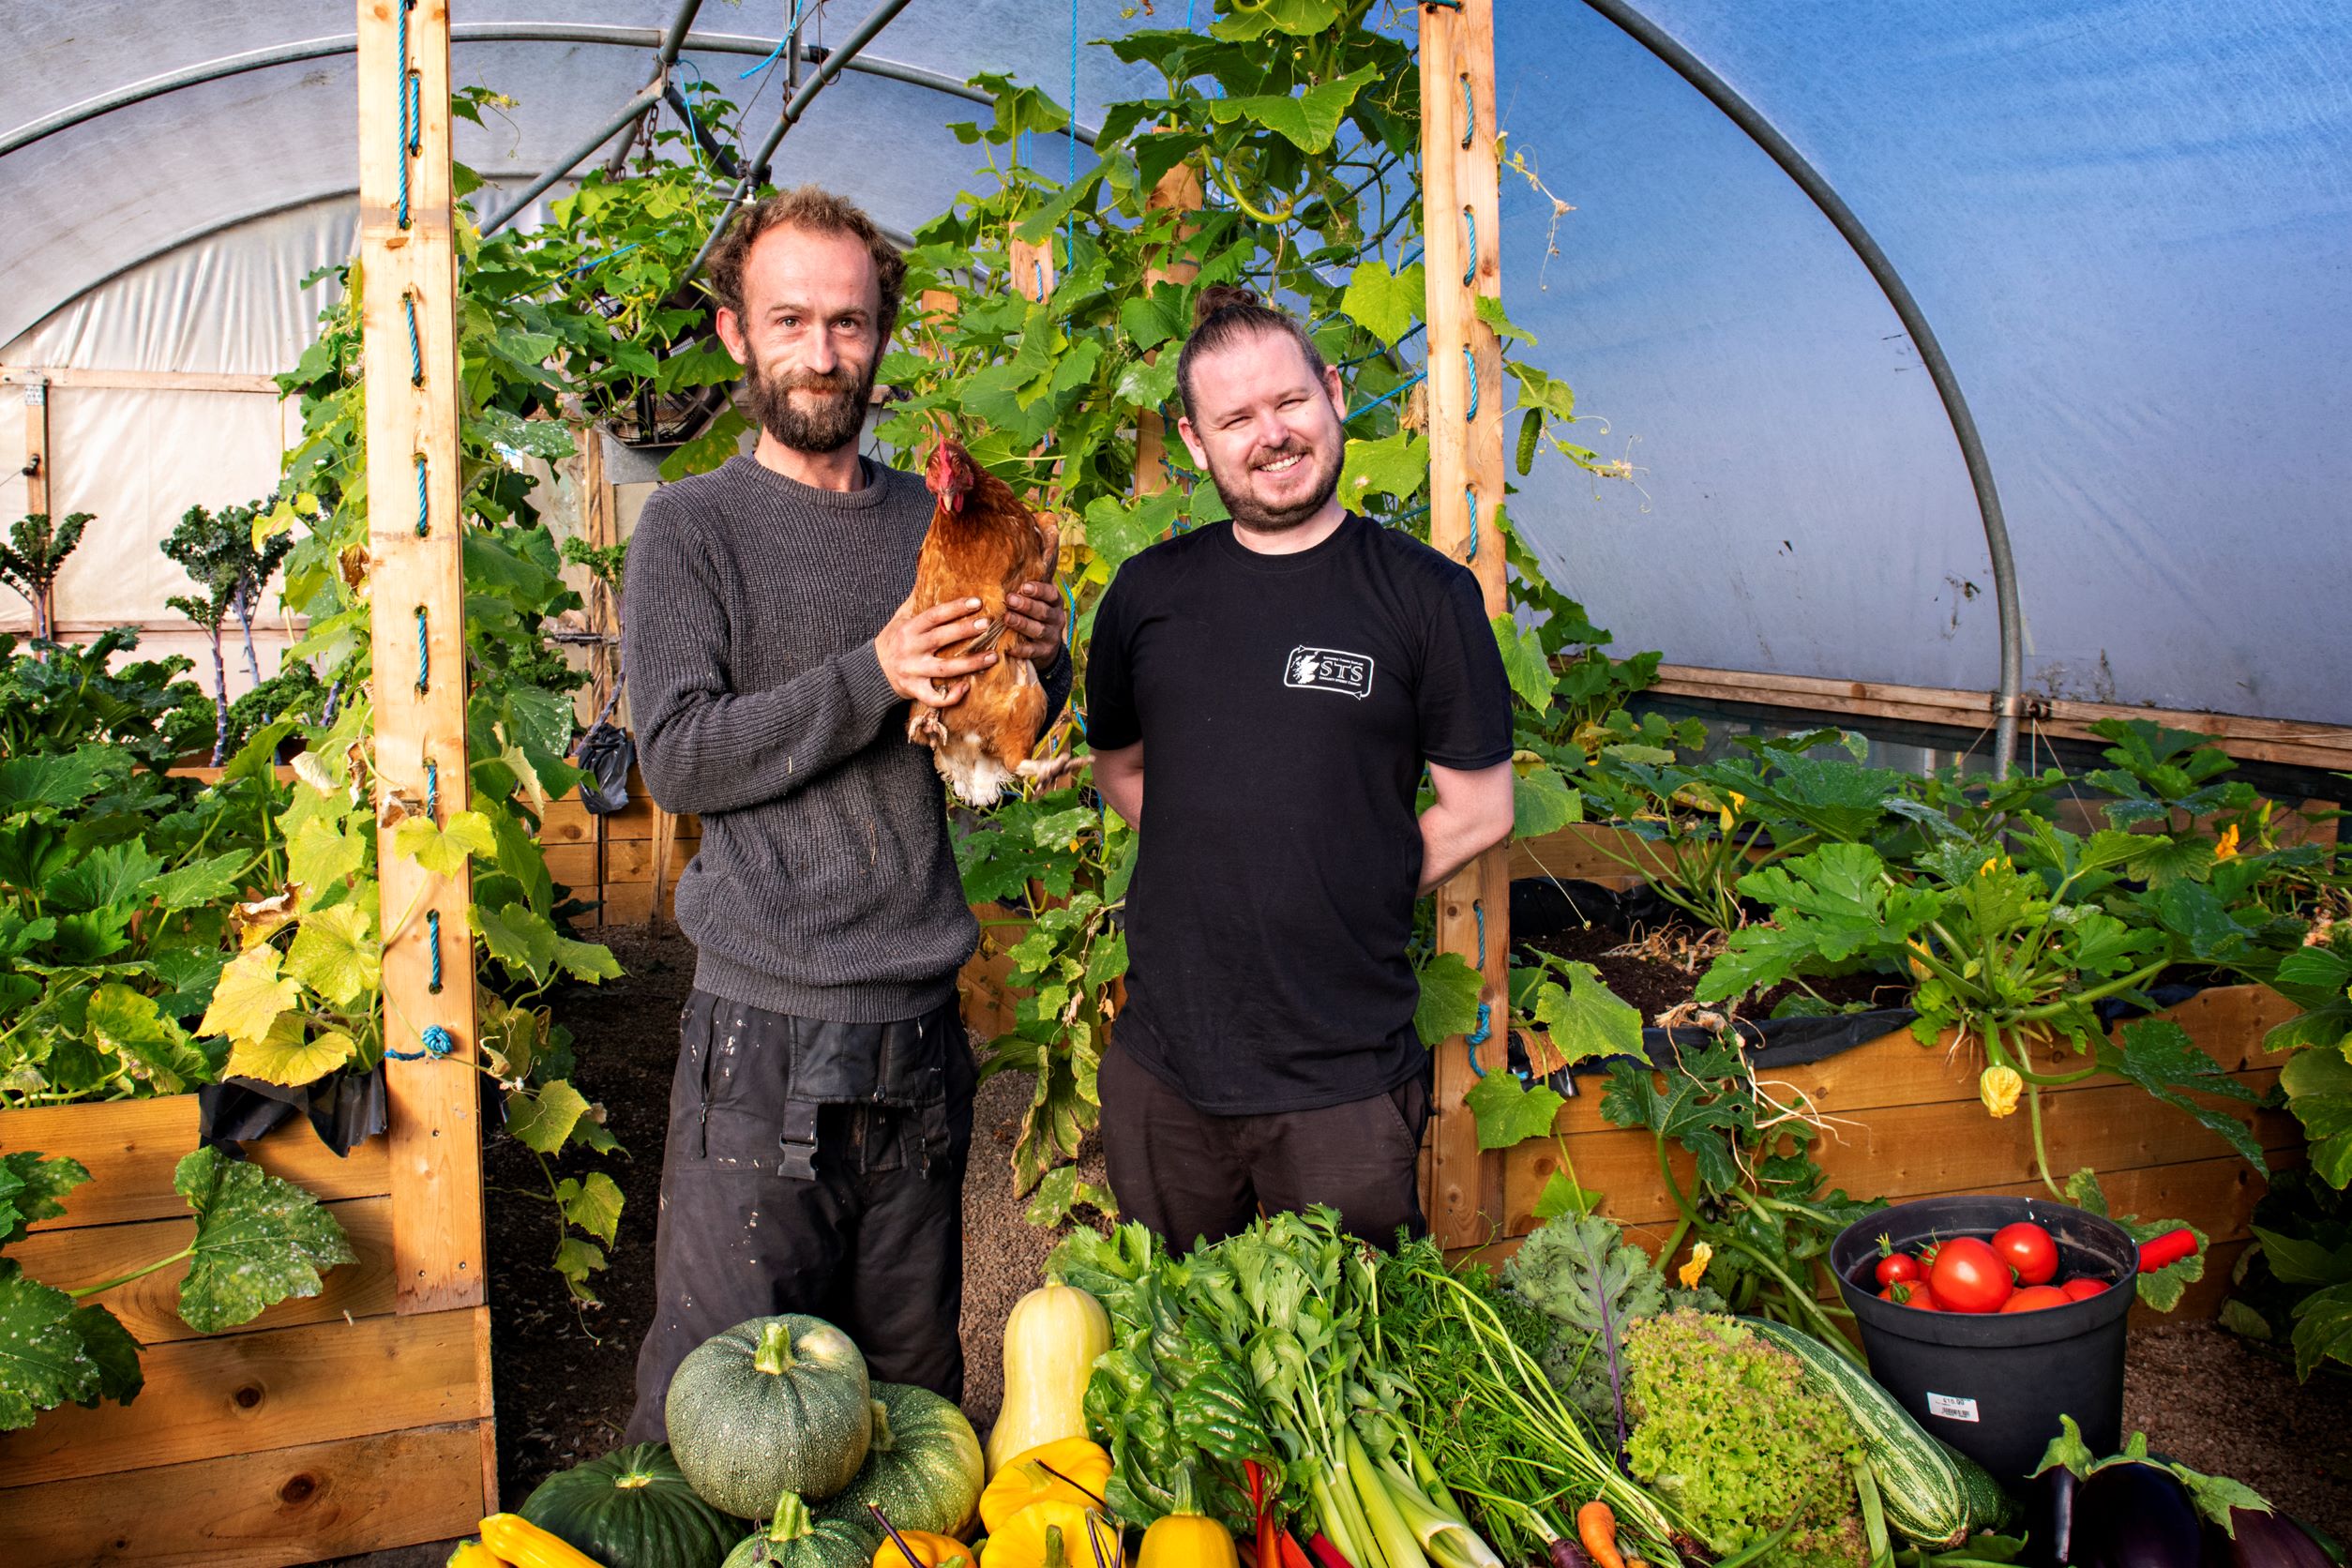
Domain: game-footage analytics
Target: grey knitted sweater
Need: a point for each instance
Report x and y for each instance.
(826, 885)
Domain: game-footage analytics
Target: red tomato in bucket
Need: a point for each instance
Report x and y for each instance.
(1897, 1268)
(2027, 1249)
(1969, 1276)
(2083, 1290)
(1911, 1293)
(2033, 1298)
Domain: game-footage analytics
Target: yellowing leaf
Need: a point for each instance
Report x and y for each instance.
(286, 1055)
(445, 851)
(334, 955)
(319, 855)
(250, 999)
(544, 1120)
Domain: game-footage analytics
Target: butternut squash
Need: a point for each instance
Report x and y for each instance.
(1051, 1342)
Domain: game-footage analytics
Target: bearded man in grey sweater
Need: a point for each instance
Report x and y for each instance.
(821, 1117)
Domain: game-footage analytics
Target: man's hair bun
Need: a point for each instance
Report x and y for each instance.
(1222, 297)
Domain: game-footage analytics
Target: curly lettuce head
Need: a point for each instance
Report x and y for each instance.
(1728, 1430)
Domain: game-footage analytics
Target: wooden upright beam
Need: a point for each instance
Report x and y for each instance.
(1460, 197)
(36, 479)
(416, 591)
(1179, 191)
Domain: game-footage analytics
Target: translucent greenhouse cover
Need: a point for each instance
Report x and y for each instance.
(2128, 223)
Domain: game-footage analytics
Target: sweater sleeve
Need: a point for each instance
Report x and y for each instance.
(705, 746)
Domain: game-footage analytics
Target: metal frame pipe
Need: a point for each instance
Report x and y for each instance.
(663, 58)
(1809, 179)
(835, 64)
(644, 98)
(464, 32)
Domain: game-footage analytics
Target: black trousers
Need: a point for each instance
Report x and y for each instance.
(817, 1168)
(1190, 1176)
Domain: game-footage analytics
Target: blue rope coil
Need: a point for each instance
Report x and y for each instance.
(1469, 374)
(424, 520)
(1469, 111)
(432, 935)
(1478, 908)
(416, 349)
(1469, 264)
(1469, 500)
(1040, 265)
(407, 99)
(432, 790)
(436, 1041)
(424, 655)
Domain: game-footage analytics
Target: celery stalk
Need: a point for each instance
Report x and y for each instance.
(1397, 1542)
(1344, 1522)
(1432, 1484)
(1450, 1541)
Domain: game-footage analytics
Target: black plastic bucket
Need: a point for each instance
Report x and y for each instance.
(1993, 1385)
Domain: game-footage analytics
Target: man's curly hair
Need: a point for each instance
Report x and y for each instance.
(820, 211)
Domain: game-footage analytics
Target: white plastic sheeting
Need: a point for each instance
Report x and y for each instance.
(2125, 221)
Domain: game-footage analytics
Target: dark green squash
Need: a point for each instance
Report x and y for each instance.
(633, 1509)
(771, 1405)
(924, 1468)
(795, 1538)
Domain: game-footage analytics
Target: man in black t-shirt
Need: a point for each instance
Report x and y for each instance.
(1287, 675)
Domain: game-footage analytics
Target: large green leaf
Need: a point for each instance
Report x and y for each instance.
(1586, 1019)
(2158, 1055)
(1509, 1112)
(134, 1027)
(1449, 999)
(592, 1202)
(1308, 121)
(33, 1188)
(443, 850)
(198, 882)
(259, 1240)
(53, 783)
(1396, 465)
(1385, 304)
(1524, 664)
(1541, 802)
(335, 954)
(2318, 1085)
(106, 878)
(543, 1122)
(44, 1360)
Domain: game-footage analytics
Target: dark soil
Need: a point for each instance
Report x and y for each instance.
(2217, 1402)
(564, 1377)
(1657, 971)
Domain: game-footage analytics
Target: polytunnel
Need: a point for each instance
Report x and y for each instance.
(1958, 388)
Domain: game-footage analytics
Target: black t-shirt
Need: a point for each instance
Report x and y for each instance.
(1286, 705)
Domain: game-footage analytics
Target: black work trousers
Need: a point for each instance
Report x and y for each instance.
(1189, 1176)
(819, 1168)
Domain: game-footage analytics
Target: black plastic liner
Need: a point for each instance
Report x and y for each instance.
(344, 1108)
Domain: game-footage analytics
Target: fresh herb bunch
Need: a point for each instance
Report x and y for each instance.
(1726, 1425)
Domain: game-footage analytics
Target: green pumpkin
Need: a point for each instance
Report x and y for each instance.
(923, 1468)
(795, 1538)
(633, 1509)
(771, 1405)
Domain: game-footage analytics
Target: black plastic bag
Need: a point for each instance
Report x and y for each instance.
(344, 1108)
(604, 755)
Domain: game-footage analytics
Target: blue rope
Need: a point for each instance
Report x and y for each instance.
(416, 350)
(777, 52)
(432, 790)
(436, 1042)
(1041, 279)
(1470, 265)
(406, 99)
(432, 935)
(1469, 373)
(1406, 384)
(1410, 333)
(1469, 112)
(1470, 499)
(424, 522)
(424, 655)
(599, 260)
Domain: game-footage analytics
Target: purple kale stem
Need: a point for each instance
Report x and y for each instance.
(1608, 1337)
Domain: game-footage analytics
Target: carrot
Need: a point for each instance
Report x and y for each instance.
(1596, 1527)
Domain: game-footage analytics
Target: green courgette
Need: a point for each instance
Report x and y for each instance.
(1925, 1496)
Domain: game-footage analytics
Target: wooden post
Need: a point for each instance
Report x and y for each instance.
(417, 593)
(1460, 196)
(1179, 191)
(597, 523)
(36, 481)
(1031, 268)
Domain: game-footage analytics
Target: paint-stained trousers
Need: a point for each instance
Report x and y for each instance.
(819, 1168)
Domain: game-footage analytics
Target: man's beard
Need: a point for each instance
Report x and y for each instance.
(1260, 518)
(833, 424)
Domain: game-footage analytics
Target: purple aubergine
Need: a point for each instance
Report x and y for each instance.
(2135, 1516)
(1565, 1553)
(2262, 1540)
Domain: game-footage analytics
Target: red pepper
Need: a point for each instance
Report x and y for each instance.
(2167, 1249)
(1327, 1555)
(1269, 1554)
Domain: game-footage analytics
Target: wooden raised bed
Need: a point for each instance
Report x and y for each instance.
(614, 859)
(1910, 1125)
(346, 1422)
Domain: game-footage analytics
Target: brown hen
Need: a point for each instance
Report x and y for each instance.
(981, 545)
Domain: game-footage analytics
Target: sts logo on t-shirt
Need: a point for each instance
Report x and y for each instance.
(1329, 670)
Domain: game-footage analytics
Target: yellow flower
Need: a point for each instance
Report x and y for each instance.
(1998, 1087)
(2226, 847)
(1690, 1272)
(1730, 812)
(1986, 869)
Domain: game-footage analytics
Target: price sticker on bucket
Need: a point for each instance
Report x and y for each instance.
(1952, 1407)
